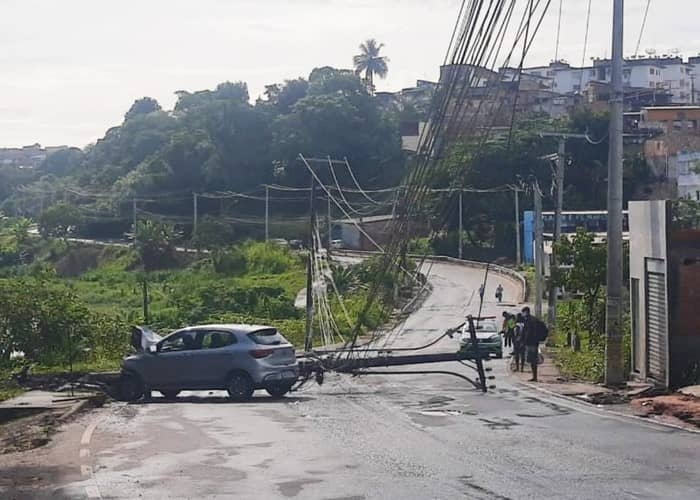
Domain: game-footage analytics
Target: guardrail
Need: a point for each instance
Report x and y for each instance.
(505, 271)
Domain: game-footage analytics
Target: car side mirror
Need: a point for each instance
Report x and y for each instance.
(153, 349)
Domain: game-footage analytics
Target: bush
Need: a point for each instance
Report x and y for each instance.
(229, 262)
(268, 258)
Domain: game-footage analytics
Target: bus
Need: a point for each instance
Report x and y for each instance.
(593, 221)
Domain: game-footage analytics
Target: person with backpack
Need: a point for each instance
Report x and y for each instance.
(499, 293)
(535, 331)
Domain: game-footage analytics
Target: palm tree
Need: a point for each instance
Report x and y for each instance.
(371, 62)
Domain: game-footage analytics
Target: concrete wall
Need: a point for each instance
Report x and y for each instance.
(684, 299)
(648, 246)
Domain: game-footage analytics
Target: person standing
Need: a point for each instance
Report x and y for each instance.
(499, 293)
(508, 328)
(519, 343)
(535, 331)
(481, 292)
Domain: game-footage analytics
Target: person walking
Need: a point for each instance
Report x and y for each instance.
(499, 293)
(535, 331)
(481, 292)
(519, 343)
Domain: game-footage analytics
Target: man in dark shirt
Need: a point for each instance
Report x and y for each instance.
(532, 337)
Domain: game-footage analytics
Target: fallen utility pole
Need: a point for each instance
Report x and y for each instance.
(614, 374)
(341, 361)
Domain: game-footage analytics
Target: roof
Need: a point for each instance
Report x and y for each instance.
(672, 108)
(241, 328)
(366, 220)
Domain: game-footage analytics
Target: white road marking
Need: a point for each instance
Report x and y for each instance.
(87, 434)
(84, 452)
(86, 470)
(92, 492)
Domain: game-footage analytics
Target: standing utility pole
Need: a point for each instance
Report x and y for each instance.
(613, 331)
(330, 226)
(308, 342)
(267, 213)
(553, 291)
(461, 224)
(539, 248)
(518, 252)
(194, 214)
(134, 210)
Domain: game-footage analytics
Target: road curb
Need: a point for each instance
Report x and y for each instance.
(571, 399)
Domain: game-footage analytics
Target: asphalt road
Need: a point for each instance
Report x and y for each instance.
(402, 437)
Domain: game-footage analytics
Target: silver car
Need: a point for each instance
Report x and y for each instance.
(238, 358)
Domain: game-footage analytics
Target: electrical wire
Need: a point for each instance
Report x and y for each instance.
(641, 31)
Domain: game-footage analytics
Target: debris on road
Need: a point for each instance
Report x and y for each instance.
(680, 406)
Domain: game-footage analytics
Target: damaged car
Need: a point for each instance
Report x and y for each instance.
(237, 358)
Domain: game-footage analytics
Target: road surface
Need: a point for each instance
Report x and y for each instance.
(378, 437)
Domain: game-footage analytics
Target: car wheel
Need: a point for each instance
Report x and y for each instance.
(240, 387)
(170, 394)
(499, 355)
(131, 387)
(278, 390)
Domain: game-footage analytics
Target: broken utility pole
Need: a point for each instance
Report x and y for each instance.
(308, 339)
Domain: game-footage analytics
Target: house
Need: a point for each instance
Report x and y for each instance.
(664, 266)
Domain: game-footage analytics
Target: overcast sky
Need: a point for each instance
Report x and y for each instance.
(71, 68)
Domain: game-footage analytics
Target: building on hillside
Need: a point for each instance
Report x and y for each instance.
(664, 293)
(27, 156)
(674, 153)
(363, 232)
(672, 74)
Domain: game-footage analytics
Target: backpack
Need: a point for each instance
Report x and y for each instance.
(541, 331)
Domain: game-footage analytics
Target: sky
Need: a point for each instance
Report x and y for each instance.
(70, 69)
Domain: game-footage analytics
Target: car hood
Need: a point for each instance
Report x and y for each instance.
(142, 337)
(480, 334)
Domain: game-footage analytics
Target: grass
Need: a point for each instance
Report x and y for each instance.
(8, 389)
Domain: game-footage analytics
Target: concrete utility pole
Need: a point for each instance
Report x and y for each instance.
(308, 342)
(518, 252)
(134, 215)
(330, 226)
(614, 374)
(461, 224)
(559, 177)
(539, 248)
(194, 214)
(267, 213)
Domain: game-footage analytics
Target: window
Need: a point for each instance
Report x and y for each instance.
(268, 336)
(651, 71)
(183, 341)
(216, 340)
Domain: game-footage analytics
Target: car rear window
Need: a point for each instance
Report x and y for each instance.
(268, 336)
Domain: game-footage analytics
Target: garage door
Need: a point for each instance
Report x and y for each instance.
(657, 327)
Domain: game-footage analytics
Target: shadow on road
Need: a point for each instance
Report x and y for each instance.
(221, 400)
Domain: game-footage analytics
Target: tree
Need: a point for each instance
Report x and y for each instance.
(584, 271)
(155, 244)
(20, 231)
(142, 106)
(58, 220)
(370, 62)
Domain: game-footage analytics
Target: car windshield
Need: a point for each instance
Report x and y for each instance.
(268, 336)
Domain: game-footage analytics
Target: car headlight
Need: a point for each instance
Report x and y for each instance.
(494, 338)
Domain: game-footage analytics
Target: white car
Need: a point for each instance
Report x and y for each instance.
(336, 244)
(488, 336)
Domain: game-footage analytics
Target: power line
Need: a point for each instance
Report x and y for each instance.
(556, 49)
(641, 31)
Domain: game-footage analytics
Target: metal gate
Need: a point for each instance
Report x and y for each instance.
(656, 326)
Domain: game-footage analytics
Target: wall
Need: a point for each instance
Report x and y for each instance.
(684, 298)
(647, 221)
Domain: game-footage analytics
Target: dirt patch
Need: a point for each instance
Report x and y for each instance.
(23, 429)
(683, 407)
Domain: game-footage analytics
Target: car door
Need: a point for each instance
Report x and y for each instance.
(215, 358)
(173, 363)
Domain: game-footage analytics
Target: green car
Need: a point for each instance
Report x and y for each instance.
(487, 333)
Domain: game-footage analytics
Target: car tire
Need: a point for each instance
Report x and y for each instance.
(170, 394)
(499, 355)
(131, 387)
(278, 391)
(240, 386)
